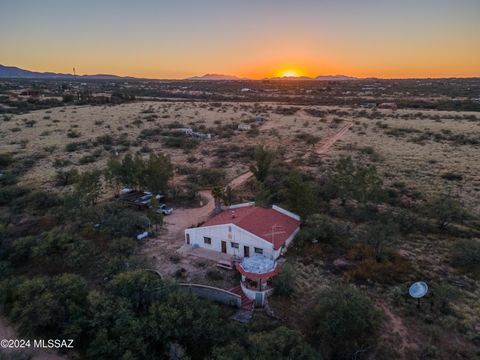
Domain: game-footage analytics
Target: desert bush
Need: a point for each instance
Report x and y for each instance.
(150, 133)
(392, 269)
(106, 139)
(343, 321)
(210, 176)
(11, 192)
(181, 142)
(372, 154)
(116, 221)
(58, 163)
(87, 159)
(75, 146)
(466, 255)
(309, 139)
(30, 123)
(318, 229)
(451, 176)
(281, 343)
(281, 110)
(38, 200)
(73, 134)
(284, 282)
(6, 159)
(67, 177)
(445, 210)
(214, 275)
(62, 300)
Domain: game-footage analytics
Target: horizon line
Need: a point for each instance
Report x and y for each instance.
(237, 77)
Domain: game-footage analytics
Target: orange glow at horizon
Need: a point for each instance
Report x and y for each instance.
(289, 72)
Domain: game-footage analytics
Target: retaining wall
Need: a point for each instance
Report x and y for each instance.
(213, 293)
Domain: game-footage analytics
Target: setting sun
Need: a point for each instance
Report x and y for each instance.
(289, 72)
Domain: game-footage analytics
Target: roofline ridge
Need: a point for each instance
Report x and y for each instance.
(286, 212)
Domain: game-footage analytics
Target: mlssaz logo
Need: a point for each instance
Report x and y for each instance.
(53, 344)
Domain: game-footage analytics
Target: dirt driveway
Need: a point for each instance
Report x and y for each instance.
(162, 249)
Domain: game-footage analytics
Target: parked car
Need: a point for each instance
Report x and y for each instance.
(144, 200)
(158, 196)
(164, 209)
(142, 235)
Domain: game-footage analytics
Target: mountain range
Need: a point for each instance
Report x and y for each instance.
(216, 77)
(13, 72)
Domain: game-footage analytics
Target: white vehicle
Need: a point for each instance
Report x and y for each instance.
(164, 209)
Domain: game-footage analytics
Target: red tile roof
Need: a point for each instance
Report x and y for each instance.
(268, 224)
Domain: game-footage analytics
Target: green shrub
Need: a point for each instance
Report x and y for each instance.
(9, 193)
(451, 176)
(6, 159)
(67, 177)
(319, 229)
(38, 200)
(7, 179)
(186, 143)
(466, 254)
(284, 282)
(74, 146)
(210, 176)
(87, 159)
(343, 321)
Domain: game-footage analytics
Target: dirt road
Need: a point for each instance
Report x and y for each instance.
(181, 219)
(239, 180)
(324, 147)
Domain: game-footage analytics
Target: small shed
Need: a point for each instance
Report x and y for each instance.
(244, 126)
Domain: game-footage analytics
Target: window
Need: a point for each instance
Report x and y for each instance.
(258, 251)
(207, 240)
(229, 229)
(235, 245)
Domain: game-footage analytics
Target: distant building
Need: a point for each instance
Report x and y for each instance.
(186, 131)
(246, 230)
(259, 120)
(201, 135)
(369, 105)
(244, 126)
(190, 132)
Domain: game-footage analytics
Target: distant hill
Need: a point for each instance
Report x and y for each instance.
(335, 77)
(215, 77)
(14, 72)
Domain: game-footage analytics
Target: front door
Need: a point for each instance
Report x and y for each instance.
(224, 247)
(246, 251)
(188, 239)
(259, 298)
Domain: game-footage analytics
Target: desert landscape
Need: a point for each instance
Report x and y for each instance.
(240, 180)
(419, 154)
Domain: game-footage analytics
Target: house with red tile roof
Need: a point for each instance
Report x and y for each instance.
(246, 230)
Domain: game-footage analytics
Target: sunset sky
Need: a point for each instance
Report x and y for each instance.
(248, 38)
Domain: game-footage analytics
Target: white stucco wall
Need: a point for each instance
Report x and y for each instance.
(283, 249)
(221, 232)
